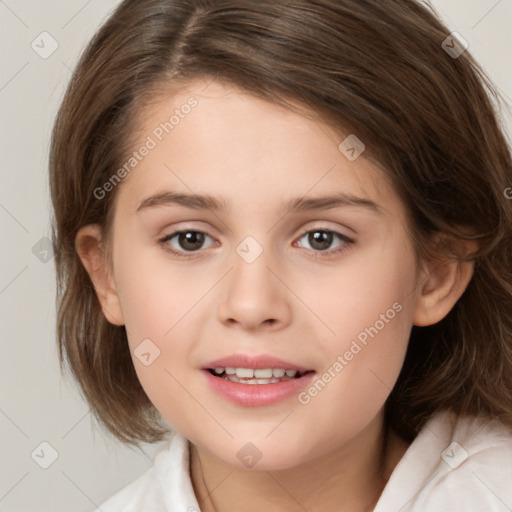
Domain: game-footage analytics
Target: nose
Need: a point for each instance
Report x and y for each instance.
(253, 297)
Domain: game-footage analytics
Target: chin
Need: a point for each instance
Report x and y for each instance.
(260, 455)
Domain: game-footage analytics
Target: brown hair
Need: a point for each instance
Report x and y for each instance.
(375, 68)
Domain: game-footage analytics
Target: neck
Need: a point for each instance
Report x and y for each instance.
(348, 478)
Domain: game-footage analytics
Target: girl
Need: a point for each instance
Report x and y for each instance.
(284, 243)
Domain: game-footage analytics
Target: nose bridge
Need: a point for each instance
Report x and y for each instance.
(251, 278)
(253, 295)
(251, 274)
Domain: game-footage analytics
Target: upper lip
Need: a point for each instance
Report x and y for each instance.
(257, 362)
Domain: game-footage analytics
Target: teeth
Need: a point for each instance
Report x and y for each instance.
(234, 378)
(263, 374)
(247, 373)
(259, 376)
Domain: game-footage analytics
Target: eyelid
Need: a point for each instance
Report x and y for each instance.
(172, 234)
(324, 226)
(346, 244)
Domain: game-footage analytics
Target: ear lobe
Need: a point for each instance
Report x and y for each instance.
(444, 285)
(88, 245)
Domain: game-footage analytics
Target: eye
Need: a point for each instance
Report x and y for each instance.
(321, 240)
(181, 242)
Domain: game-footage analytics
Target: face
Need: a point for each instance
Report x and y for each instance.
(264, 276)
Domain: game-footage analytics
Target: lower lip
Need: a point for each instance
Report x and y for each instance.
(257, 395)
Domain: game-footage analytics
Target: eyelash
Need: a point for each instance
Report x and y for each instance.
(347, 242)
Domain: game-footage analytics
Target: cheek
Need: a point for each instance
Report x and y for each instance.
(153, 299)
(362, 365)
(369, 309)
(369, 295)
(160, 308)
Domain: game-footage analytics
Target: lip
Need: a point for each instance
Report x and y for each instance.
(257, 395)
(257, 362)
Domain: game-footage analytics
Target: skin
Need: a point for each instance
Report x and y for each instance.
(295, 301)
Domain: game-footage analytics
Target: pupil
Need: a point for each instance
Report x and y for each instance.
(193, 238)
(322, 238)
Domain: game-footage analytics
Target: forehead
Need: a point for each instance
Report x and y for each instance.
(208, 136)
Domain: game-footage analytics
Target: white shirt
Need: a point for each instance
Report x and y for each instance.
(468, 468)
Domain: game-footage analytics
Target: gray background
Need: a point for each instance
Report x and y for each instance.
(36, 404)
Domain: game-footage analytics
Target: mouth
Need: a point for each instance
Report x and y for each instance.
(250, 380)
(257, 375)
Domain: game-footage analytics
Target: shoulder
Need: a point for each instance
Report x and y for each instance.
(164, 486)
(475, 469)
(139, 493)
(453, 464)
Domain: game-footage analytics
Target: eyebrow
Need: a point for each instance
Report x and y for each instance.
(207, 202)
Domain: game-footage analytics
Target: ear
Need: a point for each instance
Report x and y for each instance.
(88, 244)
(444, 284)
